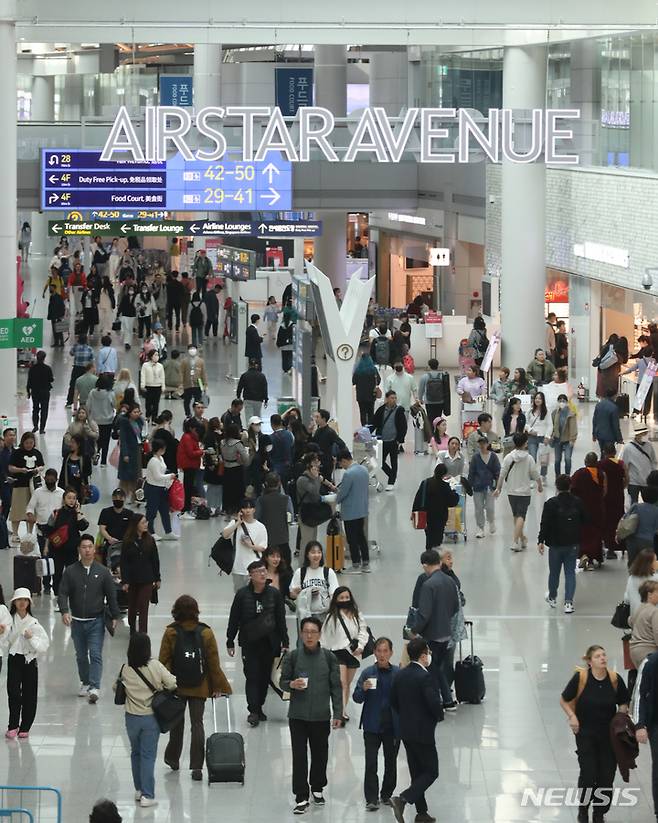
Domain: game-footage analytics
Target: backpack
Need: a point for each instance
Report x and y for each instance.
(188, 665)
(434, 390)
(302, 575)
(382, 350)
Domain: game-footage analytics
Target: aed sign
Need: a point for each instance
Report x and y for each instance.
(436, 135)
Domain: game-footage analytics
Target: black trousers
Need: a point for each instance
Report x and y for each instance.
(171, 310)
(143, 325)
(212, 322)
(152, 401)
(257, 659)
(434, 410)
(423, 763)
(40, 401)
(76, 371)
(286, 361)
(390, 451)
(313, 735)
(22, 688)
(434, 534)
(356, 538)
(104, 437)
(653, 742)
(597, 765)
(193, 393)
(366, 411)
(390, 745)
(189, 486)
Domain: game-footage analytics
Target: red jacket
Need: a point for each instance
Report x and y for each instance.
(189, 452)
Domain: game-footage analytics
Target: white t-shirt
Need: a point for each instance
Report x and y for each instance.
(314, 578)
(244, 553)
(43, 503)
(373, 333)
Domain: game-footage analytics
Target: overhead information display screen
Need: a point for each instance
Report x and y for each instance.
(78, 179)
(236, 264)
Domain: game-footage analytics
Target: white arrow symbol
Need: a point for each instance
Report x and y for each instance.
(269, 170)
(274, 196)
(53, 198)
(52, 179)
(56, 228)
(54, 160)
(262, 228)
(125, 228)
(194, 228)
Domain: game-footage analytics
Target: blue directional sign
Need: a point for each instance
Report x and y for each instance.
(176, 90)
(78, 179)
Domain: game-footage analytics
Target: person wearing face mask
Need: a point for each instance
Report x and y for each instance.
(197, 317)
(639, 459)
(127, 312)
(565, 432)
(63, 532)
(145, 307)
(113, 522)
(130, 449)
(193, 376)
(152, 378)
(43, 504)
(404, 386)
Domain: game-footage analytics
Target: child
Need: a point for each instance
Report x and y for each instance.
(271, 316)
(173, 375)
(25, 639)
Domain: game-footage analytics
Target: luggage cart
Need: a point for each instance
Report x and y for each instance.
(456, 524)
(367, 451)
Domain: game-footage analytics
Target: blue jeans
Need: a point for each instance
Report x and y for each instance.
(534, 441)
(558, 557)
(144, 734)
(88, 636)
(157, 500)
(566, 450)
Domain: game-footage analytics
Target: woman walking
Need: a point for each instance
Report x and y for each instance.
(434, 497)
(539, 427)
(213, 466)
(164, 430)
(106, 306)
(76, 469)
(156, 489)
(64, 528)
(127, 312)
(25, 639)
(144, 308)
(152, 380)
(313, 584)
(517, 474)
(236, 458)
(345, 633)
(209, 682)
(87, 430)
(25, 463)
(188, 458)
(100, 408)
(590, 700)
(278, 571)
(616, 479)
(284, 343)
(366, 379)
(140, 570)
(130, 451)
(141, 676)
(589, 484)
(565, 432)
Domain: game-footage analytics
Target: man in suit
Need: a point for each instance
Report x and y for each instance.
(415, 700)
(252, 347)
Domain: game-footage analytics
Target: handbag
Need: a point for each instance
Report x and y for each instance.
(275, 678)
(59, 536)
(627, 526)
(168, 708)
(608, 360)
(368, 649)
(116, 325)
(315, 514)
(120, 690)
(114, 456)
(176, 496)
(620, 616)
(419, 518)
(45, 567)
(408, 628)
(223, 553)
(626, 646)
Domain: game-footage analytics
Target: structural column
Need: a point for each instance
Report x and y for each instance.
(586, 96)
(389, 81)
(42, 108)
(523, 275)
(8, 216)
(330, 250)
(207, 92)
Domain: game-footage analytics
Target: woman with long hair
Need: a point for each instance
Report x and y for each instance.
(164, 430)
(345, 633)
(213, 466)
(439, 440)
(521, 384)
(539, 427)
(106, 305)
(434, 496)
(76, 468)
(87, 429)
(123, 382)
(156, 489)
(25, 463)
(140, 570)
(63, 534)
(365, 380)
(188, 458)
(643, 568)
(236, 458)
(313, 583)
(279, 574)
(514, 421)
(138, 675)
(129, 472)
(590, 700)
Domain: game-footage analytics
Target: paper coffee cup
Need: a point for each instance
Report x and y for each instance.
(305, 679)
(373, 682)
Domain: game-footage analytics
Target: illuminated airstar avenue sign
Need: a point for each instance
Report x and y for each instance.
(435, 135)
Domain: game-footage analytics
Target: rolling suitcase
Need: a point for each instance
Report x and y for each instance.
(25, 574)
(469, 675)
(225, 753)
(334, 557)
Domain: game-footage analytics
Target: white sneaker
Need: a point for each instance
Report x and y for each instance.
(145, 802)
(552, 602)
(568, 607)
(138, 796)
(156, 537)
(492, 528)
(187, 516)
(169, 536)
(83, 691)
(479, 533)
(390, 487)
(94, 694)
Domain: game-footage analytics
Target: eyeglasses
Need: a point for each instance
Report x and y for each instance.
(311, 631)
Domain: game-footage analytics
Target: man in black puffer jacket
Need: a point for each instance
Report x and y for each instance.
(258, 618)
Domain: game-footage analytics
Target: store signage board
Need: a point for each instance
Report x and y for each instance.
(79, 179)
(176, 89)
(293, 88)
(183, 228)
(433, 325)
(601, 253)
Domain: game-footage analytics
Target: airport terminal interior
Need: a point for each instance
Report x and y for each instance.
(489, 175)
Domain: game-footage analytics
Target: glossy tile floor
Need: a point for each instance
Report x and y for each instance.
(488, 754)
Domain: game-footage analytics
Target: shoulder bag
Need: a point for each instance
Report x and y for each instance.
(120, 690)
(620, 616)
(369, 648)
(168, 708)
(314, 514)
(627, 526)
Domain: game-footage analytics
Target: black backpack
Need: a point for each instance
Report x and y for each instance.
(189, 662)
(382, 350)
(434, 392)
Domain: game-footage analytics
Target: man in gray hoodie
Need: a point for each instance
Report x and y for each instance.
(517, 474)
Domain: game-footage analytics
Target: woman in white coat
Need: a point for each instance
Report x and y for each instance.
(25, 639)
(539, 428)
(152, 380)
(345, 633)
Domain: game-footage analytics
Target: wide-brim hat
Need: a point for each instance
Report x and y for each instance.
(641, 429)
(22, 592)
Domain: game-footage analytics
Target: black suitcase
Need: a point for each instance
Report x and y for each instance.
(623, 404)
(469, 675)
(25, 574)
(225, 753)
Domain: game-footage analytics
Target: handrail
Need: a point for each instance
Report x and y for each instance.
(56, 792)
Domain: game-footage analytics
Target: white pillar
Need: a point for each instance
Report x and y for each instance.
(8, 216)
(298, 256)
(207, 92)
(331, 79)
(330, 250)
(523, 276)
(389, 82)
(586, 96)
(42, 108)
(41, 243)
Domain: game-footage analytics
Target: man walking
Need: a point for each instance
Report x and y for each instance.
(353, 495)
(605, 421)
(211, 299)
(434, 391)
(253, 384)
(640, 459)
(82, 354)
(258, 618)
(379, 724)
(283, 443)
(437, 604)
(253, 340)
(418, 706)
(391, 426)
(193, 375)
(311, 675)
(202, 270)
(40, 380)
(84, 591)
(562, 521)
